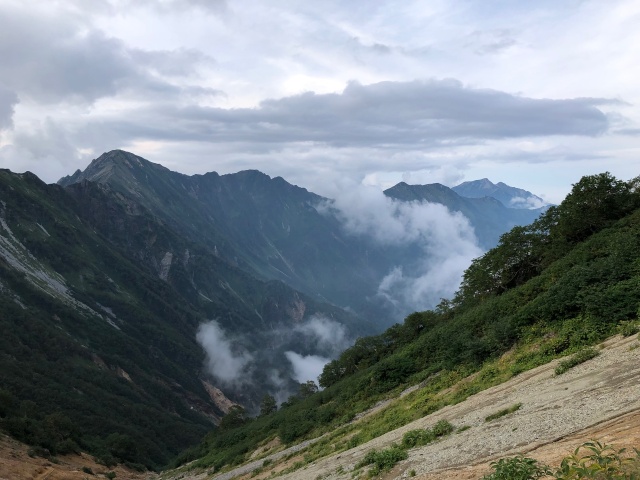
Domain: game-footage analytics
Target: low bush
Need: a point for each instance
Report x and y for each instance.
(503, 412)
(576, 359)
(414, 438)
(383, 460)
(590, 461)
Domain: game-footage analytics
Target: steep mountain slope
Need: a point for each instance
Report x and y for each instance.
(279, 231)
(265, 226)
(488, 216)
(508, 196)
(553, 288)
(100, 304)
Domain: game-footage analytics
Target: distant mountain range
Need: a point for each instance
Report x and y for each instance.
(113, 281)
(509, 196)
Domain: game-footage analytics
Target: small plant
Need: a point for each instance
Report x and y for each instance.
(87, 470)
(414, 438)
(412, 473)
(503, 412)
(382, 460)
(110, 475)
(517, 468)
(576, 359)
(601, 461)
(629, 328)
(463, 428)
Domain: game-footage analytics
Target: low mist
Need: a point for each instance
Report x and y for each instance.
(225, 359)
(280, 359)
(444, 243)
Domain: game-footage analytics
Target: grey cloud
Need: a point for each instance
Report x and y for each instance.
(329, 336)
(633, 132)
(61, 59)
(8, 100)
(414, 114)
(178, 63)
(211, 6)
(491, 41)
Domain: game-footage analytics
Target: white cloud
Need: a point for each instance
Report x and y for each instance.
(330, 337)
(225, 361)
(215, 85)
(444, 241)
(306, 367)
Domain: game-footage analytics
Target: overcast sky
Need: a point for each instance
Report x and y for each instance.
(535, 94)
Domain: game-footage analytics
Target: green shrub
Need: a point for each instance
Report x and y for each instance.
(576, 359)
(629, 328)
(599, 462)
(414, 438)
(442, 428)
(517, 468)
(383, 460)
(503, 412)
(87, 470)
(110, 475)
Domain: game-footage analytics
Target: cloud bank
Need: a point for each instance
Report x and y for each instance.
(225, 360)
(445, 244)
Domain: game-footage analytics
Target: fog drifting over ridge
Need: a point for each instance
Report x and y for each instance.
(446, 242)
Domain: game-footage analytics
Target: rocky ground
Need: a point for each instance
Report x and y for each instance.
(17, 464)
(599, 399)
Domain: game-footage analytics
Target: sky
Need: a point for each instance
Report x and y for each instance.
(534, 94)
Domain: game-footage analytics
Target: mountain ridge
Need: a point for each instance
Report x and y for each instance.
(509, 196)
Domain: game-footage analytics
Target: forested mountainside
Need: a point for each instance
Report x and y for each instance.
(565, 282)
(141, 305)
(276, 230)
(100, 304)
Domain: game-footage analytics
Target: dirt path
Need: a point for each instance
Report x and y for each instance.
(600, 398)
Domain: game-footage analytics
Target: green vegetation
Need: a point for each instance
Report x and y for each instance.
(382, 460)
(576, 359)
(629, 328)
(598, 462)
(415, 438)
(503, 412)
(547, 290)
(517, 468)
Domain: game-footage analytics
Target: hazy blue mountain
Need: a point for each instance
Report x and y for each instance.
(511, 197)
(276, 230)
(265, 226)
(488, 216)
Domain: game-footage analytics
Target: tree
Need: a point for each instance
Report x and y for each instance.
(594, 203)
(234, 418)
(268, 405)
(307, 389)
